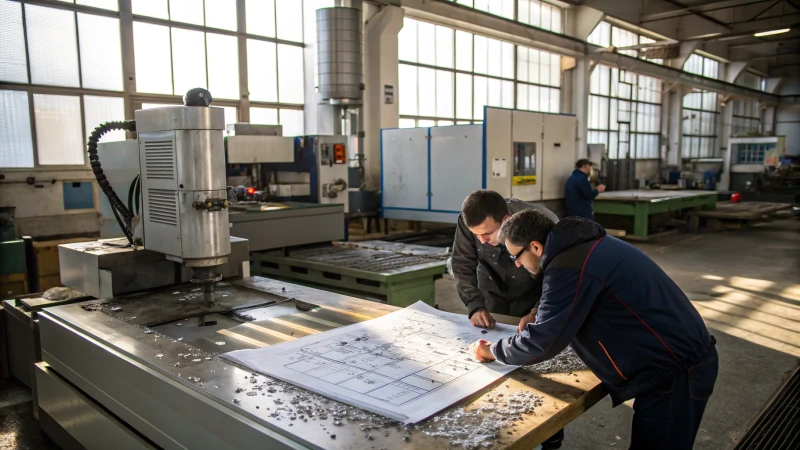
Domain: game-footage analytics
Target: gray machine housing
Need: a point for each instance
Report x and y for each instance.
(182, 167)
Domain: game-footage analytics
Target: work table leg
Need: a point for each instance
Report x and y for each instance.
(640, 220)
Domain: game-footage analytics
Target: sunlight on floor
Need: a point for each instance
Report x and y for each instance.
(792, 293)
(754, 317)
(751, 284)
(713, 277)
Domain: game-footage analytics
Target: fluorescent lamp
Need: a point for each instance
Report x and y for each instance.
(770, 33)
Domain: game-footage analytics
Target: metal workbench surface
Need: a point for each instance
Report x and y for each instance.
(650, 195)
(179, 396)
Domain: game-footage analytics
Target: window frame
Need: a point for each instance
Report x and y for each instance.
(635, 102)
(131, 97)
(455, 71)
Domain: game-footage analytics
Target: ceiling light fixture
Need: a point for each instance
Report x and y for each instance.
(770, 33)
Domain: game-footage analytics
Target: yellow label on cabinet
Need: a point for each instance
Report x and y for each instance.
(523, 180)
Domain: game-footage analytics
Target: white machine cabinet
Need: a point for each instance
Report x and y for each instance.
(427, 172)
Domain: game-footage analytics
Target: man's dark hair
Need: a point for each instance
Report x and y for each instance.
(582, 162)
(525, 227)
(481, 204)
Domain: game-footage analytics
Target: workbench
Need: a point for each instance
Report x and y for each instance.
(640, 204)
(162, 386)
(395, 273)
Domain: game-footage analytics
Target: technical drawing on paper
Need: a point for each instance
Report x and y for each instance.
(407, 365)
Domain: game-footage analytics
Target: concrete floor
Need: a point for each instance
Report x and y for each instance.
(18, 429)
(746, 285)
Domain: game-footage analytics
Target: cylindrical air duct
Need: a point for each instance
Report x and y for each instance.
(339, 56)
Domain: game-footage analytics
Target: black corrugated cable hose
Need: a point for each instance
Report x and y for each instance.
(116, 204)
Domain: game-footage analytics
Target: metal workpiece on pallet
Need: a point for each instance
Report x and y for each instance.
(398, 278)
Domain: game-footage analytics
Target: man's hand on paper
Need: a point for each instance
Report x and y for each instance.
(531, 317)
(480, 350)
(482, 319)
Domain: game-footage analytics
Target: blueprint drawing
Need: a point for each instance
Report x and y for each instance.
(407, 365)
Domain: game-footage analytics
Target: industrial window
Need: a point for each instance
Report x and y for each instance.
(282, 19)
(16, 144)
(54, 38)
(700, 65)
(290, 119)
(700, 125)
(211, 13)
(530, 12)
(67, 59)
(540, 15)
(625, 113)
(607, 35)
(77, 55)
(447, 76)
(747, 113)
(270, 81)
(171, 60)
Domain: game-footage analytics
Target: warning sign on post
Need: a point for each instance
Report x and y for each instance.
(388, 94)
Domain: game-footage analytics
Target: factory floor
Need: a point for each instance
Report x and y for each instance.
(746, 285)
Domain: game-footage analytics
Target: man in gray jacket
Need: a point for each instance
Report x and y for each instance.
(486, 278)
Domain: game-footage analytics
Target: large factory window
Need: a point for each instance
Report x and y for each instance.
(53, 43)
(73, 62)
(216, 14)
(59, 136)
(699, 125)
(540, 14)
(700, 110)
(270, 81)
(446, 76)
(16, 144)
(194, 59)
(625, 113)
(608, 35)
(61, 67)
(290, 119)
(531, 12)
(747, 113)
(282, 19)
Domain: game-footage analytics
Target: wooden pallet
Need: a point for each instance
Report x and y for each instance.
(743, 211)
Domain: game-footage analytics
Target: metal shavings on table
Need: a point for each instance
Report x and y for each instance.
(470, 429)
(565, 362)
(481, 427)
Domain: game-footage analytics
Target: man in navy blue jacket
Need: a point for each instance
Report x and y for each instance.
(625, 318)
(579, 194)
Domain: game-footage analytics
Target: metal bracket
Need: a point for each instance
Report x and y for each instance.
(211, 204)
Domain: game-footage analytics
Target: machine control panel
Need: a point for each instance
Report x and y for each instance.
(330, 154)
(339, 154)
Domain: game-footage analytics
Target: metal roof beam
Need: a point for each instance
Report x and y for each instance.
(475, 21)
(708, 7)
(669, 74)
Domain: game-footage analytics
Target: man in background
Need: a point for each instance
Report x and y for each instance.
(579, 194)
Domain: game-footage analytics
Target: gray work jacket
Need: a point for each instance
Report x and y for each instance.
(486, 278)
